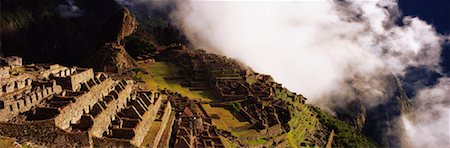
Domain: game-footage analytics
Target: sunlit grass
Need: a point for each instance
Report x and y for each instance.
(302, 125)
(227, 143)
(257, 142)
(161, 70)
(227, 120)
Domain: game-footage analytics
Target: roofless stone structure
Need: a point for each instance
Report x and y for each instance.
(77, 107)
(54, 105)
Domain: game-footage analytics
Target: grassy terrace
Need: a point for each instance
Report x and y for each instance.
(160, 70)
(304, 121)
(227, 143)
(303, 125)
(227, 121)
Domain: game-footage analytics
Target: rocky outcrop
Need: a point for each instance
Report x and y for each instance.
(111, 58)
(382, 123)
(128, 25)
(379, 122)
(353, 113)
(120, 25)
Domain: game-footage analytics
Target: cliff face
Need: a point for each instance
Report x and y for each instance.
(380, 122)
(112, 57)
(128, 24)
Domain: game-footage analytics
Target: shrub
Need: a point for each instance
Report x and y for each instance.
(137, 44)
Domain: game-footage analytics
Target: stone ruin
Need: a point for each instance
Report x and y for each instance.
(262, 102)
(54, 105)
(10, 61)
(77, 107)
(193, 126)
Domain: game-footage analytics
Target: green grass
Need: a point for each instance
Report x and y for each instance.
(251, 79)
(305, 121)
(155, 80)
(161, 70)
(257, 142)
(227, 143)
(303, 125)
(345, 135)
(227, 120)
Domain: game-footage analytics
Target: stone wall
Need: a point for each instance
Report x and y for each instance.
(13, 61)
(50, 70)
(14, 84)
(72, 79)
(103, 120)
(12, 107)
(44, 133)
(4, 73)
(142, 128)
(73, 112)
(112, 142)
(164, 120)
(53, 105)
(132, 123)
(165, 138)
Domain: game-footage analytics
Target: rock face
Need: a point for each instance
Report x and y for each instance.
(354, 113)
(382, 123)
(128, 24)
(111, 58)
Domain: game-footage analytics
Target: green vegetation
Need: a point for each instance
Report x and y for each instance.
(236, 106)
(303, 125)
(306, 120)
(137, 44)
(251, 79)
(159, 71)
(137, 74)
(257, 141)
(137, 70)
(345, 135)
(227, 120)
(137, 77)
(227, 143)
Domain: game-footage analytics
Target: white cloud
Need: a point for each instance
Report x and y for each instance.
(311, 47)
(329, 51)
(430, 127)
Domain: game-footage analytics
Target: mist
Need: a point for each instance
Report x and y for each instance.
(332, 52)
(314, 48)
(430, 127)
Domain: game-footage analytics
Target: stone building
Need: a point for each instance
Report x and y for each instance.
(77, 107)
(11, 61)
